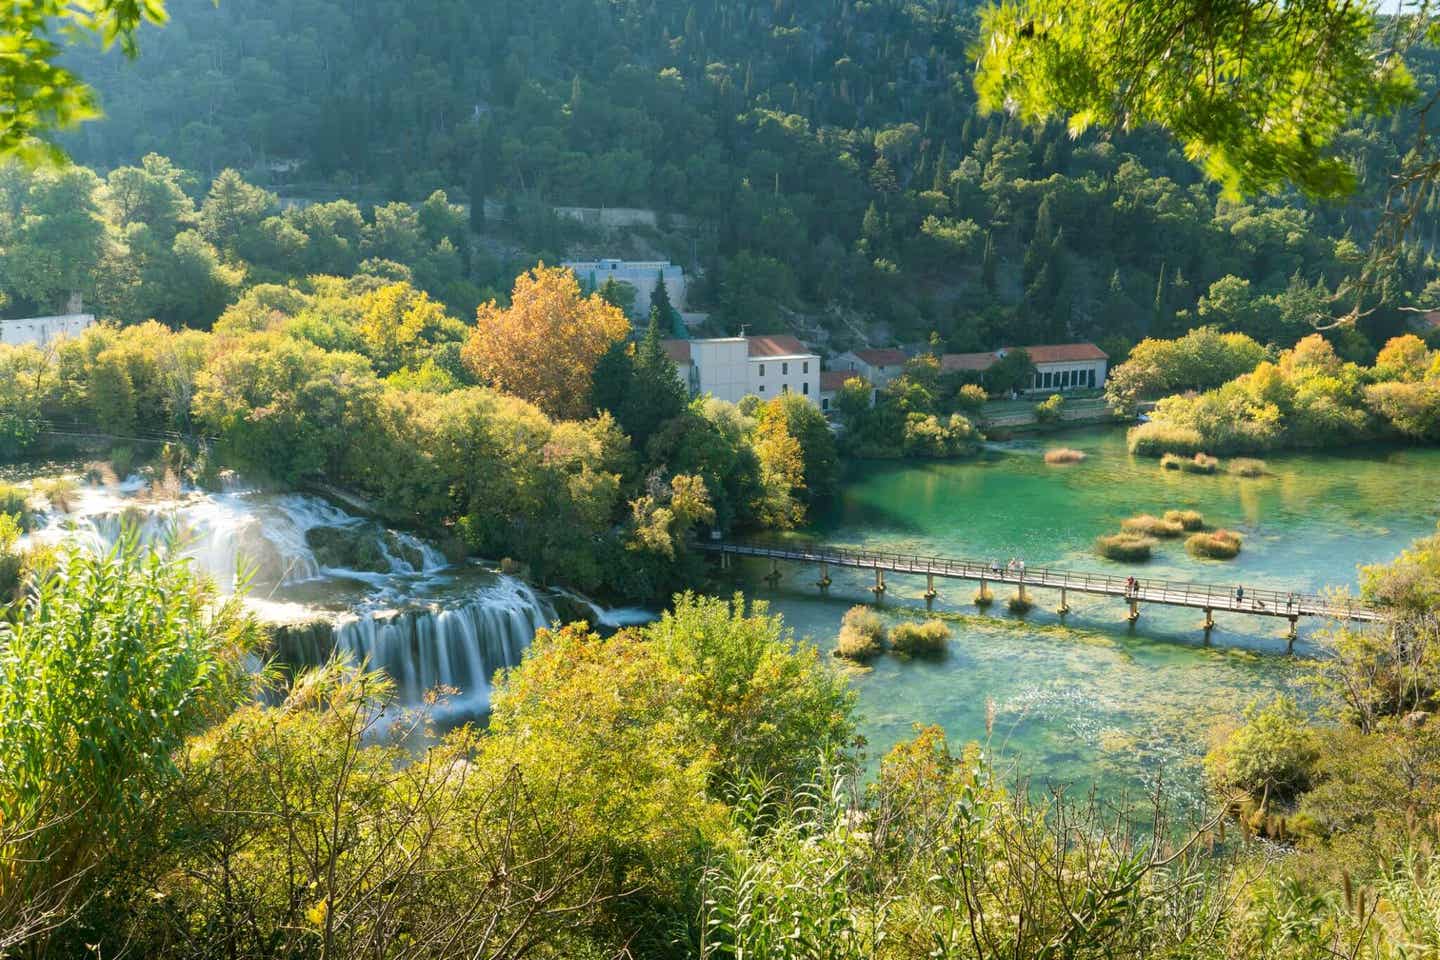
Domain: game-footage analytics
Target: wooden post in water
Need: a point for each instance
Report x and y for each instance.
(824, 582)
(879, 588)
(1290, 639)
(1134, 610)
(1209, 623)
(930, 593)
(1064, 607)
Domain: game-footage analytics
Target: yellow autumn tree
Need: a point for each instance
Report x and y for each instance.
(396, 322)
(545, 345)
(782, 475)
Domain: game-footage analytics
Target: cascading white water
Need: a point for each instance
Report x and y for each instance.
(426, 623)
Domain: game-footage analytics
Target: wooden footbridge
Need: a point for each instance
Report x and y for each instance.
(1206, 597)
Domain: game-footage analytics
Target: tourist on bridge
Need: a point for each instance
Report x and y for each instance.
(1239, 594)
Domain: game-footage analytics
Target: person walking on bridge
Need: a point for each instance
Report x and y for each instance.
(1239, 595)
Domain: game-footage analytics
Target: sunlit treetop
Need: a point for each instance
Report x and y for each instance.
(37, 94)
(1255, 90)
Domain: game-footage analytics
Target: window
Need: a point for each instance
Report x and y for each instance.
(1092, 378)
(762, 388)
(762, 369)
(1046, 384)
(805, 367)
(805, 388)
(824, 403)
(784, 369)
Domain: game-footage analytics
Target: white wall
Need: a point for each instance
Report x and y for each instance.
(43, 330)
(770, 376)
(722, 365)
(1078, 379)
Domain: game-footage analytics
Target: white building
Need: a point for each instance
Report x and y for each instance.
(44, 330)
(732, 367)
(832, 380)
(640, 274)
(877, 366)
(1059, 368)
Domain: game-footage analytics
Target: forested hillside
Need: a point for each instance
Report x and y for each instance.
(830, 150)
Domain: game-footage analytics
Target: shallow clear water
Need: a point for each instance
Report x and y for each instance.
(1087, 699)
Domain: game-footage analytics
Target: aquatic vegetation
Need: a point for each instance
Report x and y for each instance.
(1125, 547)
(862, 634)
(1019, 604)
(1248, 467)
(1153, 526)
(58, 491)
(1215, 545)
(1063, 455)
(1156, 438)
(1171, 461)
(984, 597)
(1188, 519)
(1201, 463)
(15, 502)
(929, 637)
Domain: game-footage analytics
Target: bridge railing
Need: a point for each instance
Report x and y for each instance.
(1254, 600)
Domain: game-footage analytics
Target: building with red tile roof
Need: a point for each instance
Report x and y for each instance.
(733, 367)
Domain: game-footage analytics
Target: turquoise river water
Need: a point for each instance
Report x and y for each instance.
(1087, 700)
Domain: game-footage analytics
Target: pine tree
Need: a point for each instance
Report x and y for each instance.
(655, 392)
(660, 303)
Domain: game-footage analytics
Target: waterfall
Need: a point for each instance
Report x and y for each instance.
(326, 580)
(458, 647)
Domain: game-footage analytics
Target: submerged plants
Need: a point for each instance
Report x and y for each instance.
(1153, 526)
(1215, 545)
(1064, 455)
(929, 637)
(1019, 604)
(1125, 547)
(1188, 519)
(862, 634)
(1248, 467)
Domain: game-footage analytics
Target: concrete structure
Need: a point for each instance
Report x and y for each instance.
(44, 330)
(1059, 368)
(732, 367)
(877, 366)
(640, 274)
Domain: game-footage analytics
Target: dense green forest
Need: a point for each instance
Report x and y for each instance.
(830, 153)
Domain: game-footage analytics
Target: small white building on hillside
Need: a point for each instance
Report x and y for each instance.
(732, 367)
(640, 274)
(44, 330)
(879, 366)
(832, 380)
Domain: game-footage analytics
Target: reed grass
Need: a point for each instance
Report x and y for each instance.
(1064, 455)
(1188, 519)
(1215, 545)
(1249, 467)
(1125, 547)
(862, 634)
(916, 639)
(1153, 526)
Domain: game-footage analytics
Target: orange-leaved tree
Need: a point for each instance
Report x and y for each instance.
(544, 346)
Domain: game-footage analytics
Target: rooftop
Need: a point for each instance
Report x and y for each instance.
(1044, 353)
(883, 357)
(677, 350)
(778, 345)
(834, 379)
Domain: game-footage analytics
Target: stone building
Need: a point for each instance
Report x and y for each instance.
(640, 274)
(44, 330)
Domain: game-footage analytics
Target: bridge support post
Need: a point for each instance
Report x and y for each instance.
(983, 597)
(1134, 610)
(773, 577)
(1290, 637)
(1209, 623)
(930, 593)
(824, 582)
(879, 588)
(1064, 607)
(724, 560)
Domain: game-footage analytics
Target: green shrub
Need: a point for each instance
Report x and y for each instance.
(1125, 547)
(919, 638)
(1051, 409)
(1064, 455)
(862, 634)
(1156, 438)
(1272, 755)
(15, 501)
(1153, 526)
(1248, 467)
(1215, 545)
(971, 398)
(122, 461)
(58, 491)
(1188, 519)
(11, 560)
